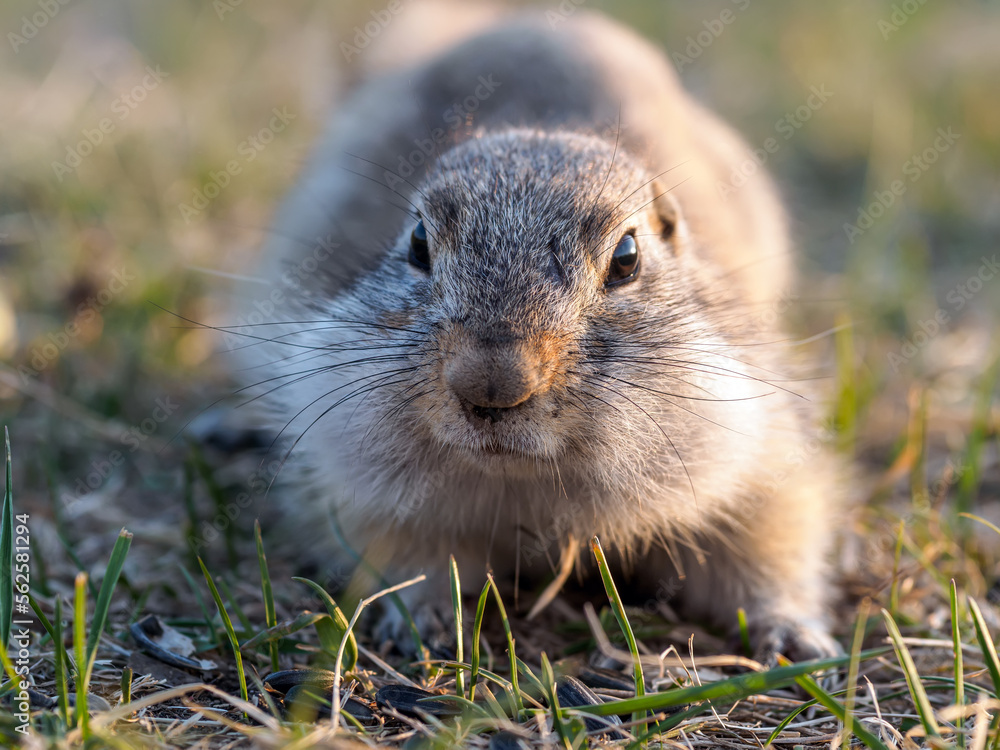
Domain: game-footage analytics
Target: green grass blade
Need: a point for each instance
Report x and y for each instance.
(852, 670)
(477, 627)
(486, 674)
(917, 437)
(234, 606)
(60, 659)
(108, 584)
(213, 634)
(39, 569)
(339, 660)
(956, 645)
(981, 520)
(126, 685)
(230, 631)
(532, 677)
(284, 629)
(61, 662)
(79, 646)
(475, 711)
(623, 623)
(986, 644)
(968, 483)
(917, 692)
(664, 725)
(741, 619)
(270, 614)
(7, 551)
(838, 709)
(339, 623)
(13, 680)
(519, 702)
(846, 405)
(456, 604)
(790, 718)
(559, 725)
(729, 690)
(330, 637)
(42, 618)
(493, 703)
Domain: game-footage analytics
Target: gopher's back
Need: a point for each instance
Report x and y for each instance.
(586, 74)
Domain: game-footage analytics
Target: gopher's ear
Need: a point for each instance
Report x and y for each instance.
(667, 216)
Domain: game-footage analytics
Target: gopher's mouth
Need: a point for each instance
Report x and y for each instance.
(497, 437)
(492, 418)
(503, 445)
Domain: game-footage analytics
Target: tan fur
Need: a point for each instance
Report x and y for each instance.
(507, 399)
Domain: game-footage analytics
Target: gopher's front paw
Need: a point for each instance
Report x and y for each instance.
(793, 639)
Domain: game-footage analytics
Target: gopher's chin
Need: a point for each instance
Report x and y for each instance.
(499, 449)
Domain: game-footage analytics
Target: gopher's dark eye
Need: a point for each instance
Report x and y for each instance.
(420, 254)
(624, 262)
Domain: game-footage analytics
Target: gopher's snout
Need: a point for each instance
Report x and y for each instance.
(491, 379)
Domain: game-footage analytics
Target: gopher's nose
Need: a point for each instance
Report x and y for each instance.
(491, 382)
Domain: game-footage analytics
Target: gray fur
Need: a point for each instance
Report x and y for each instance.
(658, 414)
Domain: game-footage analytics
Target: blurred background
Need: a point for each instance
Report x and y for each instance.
(115, 115)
